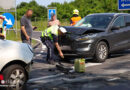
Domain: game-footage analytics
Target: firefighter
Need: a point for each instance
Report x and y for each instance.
(2, 29)
(50, 39)
(75, 17)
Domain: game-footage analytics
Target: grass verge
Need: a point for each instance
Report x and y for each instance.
(42, 25)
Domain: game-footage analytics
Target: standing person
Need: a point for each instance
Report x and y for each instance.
(53, 21)
(2, 29)
(75, 17)
(50, 39)
(26, 27)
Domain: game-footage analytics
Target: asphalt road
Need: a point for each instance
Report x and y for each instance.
(114, 74)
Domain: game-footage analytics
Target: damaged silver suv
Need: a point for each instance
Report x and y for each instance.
(97, 35)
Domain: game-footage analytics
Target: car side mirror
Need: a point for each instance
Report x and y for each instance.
(115, 28)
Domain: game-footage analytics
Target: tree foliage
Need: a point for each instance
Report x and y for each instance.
(39, 11)
(64, 11)
(85, 7)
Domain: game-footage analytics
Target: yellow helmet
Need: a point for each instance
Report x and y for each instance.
(75, 11)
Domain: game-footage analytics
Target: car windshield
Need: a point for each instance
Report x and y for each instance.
(95, 21)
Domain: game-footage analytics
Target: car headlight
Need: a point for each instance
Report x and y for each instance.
(82, 39)
(86, 39)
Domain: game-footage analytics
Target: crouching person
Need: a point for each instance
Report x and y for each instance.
(50, 39)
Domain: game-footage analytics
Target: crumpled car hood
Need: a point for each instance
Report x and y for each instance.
(82, 30)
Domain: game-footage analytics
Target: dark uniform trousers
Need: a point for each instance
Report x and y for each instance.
(51, 54)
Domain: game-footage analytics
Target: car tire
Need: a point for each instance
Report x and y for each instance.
(101, 52)
(16, 75)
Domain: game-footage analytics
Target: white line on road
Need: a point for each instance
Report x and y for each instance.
(90, 64)
(43, 46)
(87, 65)
(41, 51)
(57, 75)
(45, 77)
(38, 55)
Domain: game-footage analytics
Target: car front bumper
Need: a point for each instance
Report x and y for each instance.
(84, 49)
(81, 48)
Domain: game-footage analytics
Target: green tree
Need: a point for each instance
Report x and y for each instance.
(64, 11)
(39, 11)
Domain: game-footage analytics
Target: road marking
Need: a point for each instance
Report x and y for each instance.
(45, 77)
(41, 51)
(43, 46)
(116, 71)
(90, 64)
(113, 79)
(38, 55)
(57, 75)
(87, 65)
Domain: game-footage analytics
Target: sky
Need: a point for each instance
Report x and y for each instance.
(43, 2)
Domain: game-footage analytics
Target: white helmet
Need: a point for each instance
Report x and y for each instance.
(63, 30)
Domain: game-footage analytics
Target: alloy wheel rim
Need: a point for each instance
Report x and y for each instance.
(17, 78)
(102, 51)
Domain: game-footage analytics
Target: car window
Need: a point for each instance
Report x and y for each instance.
(127, 19)
(119, 22)
(95, 21)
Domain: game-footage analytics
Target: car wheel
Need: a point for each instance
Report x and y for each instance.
(16, 76)
(101, 52)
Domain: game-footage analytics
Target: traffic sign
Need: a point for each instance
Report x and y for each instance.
(124, 4)
(9, 20)
(50, 12)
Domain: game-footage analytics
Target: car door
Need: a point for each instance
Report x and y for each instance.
(127, 32)
(117, 36)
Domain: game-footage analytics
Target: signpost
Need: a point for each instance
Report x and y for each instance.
(51, 11)
(9, 20)
(9, 6)
(123, 4)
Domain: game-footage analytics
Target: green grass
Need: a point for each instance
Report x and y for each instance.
(42, 25)
(12, 35)
(34, 42)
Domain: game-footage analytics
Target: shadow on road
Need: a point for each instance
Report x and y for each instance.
(119, 54)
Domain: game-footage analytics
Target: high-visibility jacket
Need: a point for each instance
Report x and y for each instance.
(49, 31)
(75, 20)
